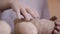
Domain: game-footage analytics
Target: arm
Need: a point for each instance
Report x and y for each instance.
(18, 8)
(7, 4)
(4, 4)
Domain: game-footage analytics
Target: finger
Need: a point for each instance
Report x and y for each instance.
(25, 14)
(58, 27)
(55, 32)
(18, 13)
(31, 12)
(37, 14)
(58, 23)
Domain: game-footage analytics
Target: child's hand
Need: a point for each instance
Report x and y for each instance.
(57, 28)
(24, 10)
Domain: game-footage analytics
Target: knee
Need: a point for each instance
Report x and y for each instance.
(4, 28)
(25, 28)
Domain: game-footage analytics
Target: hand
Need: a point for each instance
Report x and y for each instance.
(57, 28)
(24, 10)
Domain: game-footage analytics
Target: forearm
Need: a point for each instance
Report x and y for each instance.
(4, 7)
(5, 4)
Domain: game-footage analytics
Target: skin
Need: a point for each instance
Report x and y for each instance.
(4, 28)
(18, 8)
(57, 27)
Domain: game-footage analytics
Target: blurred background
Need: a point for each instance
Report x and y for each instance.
(54, 8)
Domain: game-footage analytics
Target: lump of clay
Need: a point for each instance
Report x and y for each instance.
(25, 28)
(44, 26)
(4, 28)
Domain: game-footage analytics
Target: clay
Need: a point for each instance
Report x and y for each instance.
(20, 20)
(25, 28)
(4, 28)
(44, 26)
